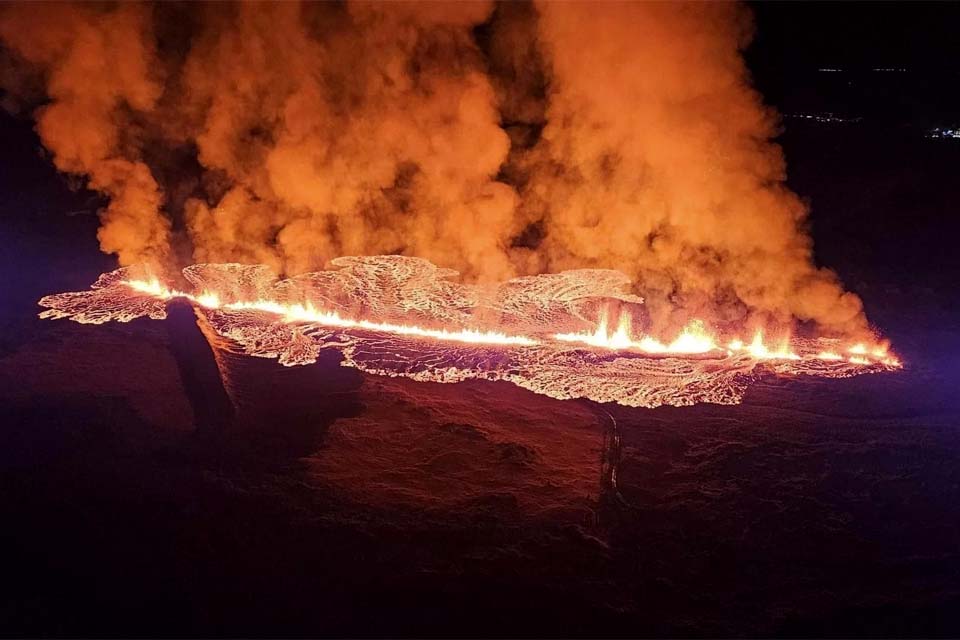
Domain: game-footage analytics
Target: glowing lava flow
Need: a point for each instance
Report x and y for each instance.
(418, 323)
(761, 351)
(694, 339)
(309, 313)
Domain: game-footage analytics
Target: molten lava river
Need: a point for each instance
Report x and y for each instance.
(566, 335)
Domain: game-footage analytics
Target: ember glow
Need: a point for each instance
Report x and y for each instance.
(553, 334)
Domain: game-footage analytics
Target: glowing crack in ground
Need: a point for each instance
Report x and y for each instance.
(398, 316)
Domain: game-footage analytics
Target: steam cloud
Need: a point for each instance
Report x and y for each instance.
(493, 139)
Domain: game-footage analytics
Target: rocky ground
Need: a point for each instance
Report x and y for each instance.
(133, 501)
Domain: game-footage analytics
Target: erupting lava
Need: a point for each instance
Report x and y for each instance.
(308, 313)
(696, 339)
(402, 316)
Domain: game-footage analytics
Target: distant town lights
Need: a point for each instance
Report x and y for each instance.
(943, 132)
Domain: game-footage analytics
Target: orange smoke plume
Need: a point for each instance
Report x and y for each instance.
(98, 69)
(496, 140)
(656, 160)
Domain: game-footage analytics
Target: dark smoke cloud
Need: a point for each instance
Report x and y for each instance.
(496, 140)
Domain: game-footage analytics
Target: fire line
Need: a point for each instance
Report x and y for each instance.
(694, 339)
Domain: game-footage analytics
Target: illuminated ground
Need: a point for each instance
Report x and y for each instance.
(428, 503)
(401, 316)
(816, 507)
(383, 504)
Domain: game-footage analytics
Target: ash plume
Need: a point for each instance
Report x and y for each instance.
(656, 159)
(497, 140)
(98, 71)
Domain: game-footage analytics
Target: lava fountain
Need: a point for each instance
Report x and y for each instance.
(553, 334)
